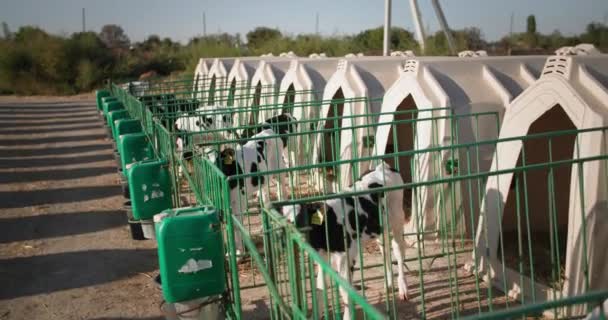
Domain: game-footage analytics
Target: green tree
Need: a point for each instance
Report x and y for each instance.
(597, 34)
(371, 41)
(261, 36)
(114, 36)
(531, 24)
(531, 35)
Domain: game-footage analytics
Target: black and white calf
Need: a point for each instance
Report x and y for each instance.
(262, 153)
(327, 224)
(206, 125)
(208, 118)
(282, 124)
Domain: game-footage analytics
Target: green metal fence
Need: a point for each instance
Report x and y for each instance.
(482, 236)
(438, 256)
(594, 302)
(301, 177)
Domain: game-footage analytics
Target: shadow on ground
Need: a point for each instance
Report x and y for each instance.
(34, 152)
(42, 111)
(45, 140)
(59, 225)
(69, 270)
(41, 117)
(21, 199)
(34, 105)
(52, 161)
(51, 130)
(47, 123)
(54, 175)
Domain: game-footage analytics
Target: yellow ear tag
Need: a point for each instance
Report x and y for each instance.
(228, 160)
(317, 218)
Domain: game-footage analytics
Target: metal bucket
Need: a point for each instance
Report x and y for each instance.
(124, 184)
(208, 308)
(148, 227)
(135, 228)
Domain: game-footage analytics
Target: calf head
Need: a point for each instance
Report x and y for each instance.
(304, 215)
(227, 161)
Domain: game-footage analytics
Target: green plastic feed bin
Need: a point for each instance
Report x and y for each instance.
(190, 253)
(134, 147)
(125, 126)
(150, 192)
(111, 106)
(106, 100)
(112, 117)
(101, 94)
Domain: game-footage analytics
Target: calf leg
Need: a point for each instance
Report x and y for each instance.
(239, 207)
(345, 270)
(321, 286)
(398, 244)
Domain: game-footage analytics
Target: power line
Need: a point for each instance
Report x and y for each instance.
(317, 24)
(84, 24)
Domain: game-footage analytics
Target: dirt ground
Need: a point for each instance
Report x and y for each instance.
(65, 249)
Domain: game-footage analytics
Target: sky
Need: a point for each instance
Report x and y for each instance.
(183, 19)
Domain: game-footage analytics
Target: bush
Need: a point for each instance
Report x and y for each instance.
(35, 62)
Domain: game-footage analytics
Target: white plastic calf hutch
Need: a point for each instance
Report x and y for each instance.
(265, 82)
(356, 77)
(240, 74)
(306, 75)
(465, 86)
(200, 74)
(304, 82)
(216, 78)
(240, 77)
(572, 93)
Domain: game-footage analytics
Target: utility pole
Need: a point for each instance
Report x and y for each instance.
(418, 23)
(84, 24)
(317, 24)
(387, 27)
(511, 27)
(444, 25)
(204, 25)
